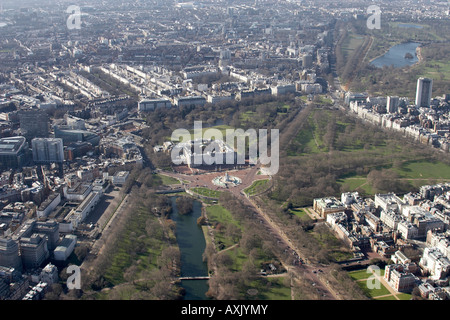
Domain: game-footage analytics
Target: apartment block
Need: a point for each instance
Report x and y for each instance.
(434, 262)
(33, 251)
(401, 277)
(325, 206)
(9, 254)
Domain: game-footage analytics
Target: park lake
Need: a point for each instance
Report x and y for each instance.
(191, 241)
(396, 56)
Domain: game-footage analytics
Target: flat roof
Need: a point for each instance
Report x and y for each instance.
(12, 144)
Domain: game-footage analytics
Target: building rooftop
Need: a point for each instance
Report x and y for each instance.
(11, 145)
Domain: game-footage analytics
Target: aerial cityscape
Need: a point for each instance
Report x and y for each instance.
(224, 150)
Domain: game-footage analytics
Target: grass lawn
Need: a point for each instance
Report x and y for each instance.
(245, 116)
(359, 274)
(372, 293)
(222, 135)
(425, 170)
(305, 139)
(299, 212)
(339, 255)
(357, 182)
(268, 289)
(238, 256)
(323, 100)
(404, 296)
(206, 235)
(166, 180)
(309, 138)
(125, 253)
(219, 215)
(257, 186)
(417, 173)
(436, 70)
(207, 192)
(351, 42)
(389, 297)
(304, 98)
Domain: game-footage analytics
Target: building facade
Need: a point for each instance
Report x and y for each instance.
(153, 104)
(325, 206)
(47, 150)
(401, 277)
(34, 124)
(423, 92)
(9, 254)
(14, 152)
(33, 250)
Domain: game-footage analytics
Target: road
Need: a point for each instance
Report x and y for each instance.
(304, 270)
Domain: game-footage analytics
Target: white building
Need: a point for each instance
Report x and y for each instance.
(392, 104)
(216, 98)
(407, 230)
(390, 219)
(435, 262)
(311, 88)
(65, 248)
(210, 152)
(283, 89)
(440, 241)
(78, 192)
(120, 177)
(49, 274)
(336, 218)
(49, 205)
(399, 258)
(347, 198)
(423, 92)
(189, 101)
(88, 205)
(153, 104)
(388, 202)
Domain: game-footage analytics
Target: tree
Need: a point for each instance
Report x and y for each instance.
(223, 260)
(249, 241)
(201, 221)
(81, 252)
(233, 232)
(378, 262)
(54, 292)
(184, 205)
(170, 257)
